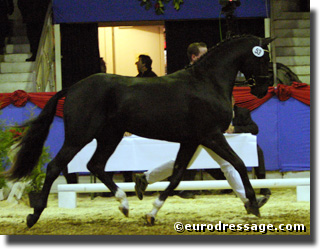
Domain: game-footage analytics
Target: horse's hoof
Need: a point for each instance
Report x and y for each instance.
(252, 208)
(125, 211)
(150, 219)
(31, 220)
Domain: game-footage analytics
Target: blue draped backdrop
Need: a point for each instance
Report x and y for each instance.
(284, 132)
(76, 11)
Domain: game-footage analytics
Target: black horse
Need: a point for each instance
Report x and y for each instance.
(191, 107)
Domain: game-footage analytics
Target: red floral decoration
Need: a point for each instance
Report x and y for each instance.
(19, 98)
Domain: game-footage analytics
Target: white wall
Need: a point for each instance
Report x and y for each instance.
(121, 46)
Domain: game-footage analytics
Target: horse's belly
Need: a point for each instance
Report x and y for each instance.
(167, 128)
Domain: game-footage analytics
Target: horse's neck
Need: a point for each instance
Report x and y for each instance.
(222, 70)
(229, 58)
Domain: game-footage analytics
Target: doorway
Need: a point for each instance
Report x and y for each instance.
(120, 47)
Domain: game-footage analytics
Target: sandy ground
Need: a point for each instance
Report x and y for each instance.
(101, 216)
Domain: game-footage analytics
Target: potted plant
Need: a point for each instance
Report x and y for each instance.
(3, 181)
(37, 177)
(9, 141)
(5, 142)
(3, 184)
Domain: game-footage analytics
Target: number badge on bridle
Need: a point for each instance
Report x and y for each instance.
(258, 51)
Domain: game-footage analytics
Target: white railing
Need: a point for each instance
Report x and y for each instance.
(67, 197)
(44, 67)
(273, 44)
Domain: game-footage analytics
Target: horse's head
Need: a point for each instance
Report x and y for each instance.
(255, 67)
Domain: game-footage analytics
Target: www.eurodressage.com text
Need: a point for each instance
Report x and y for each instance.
(221, 227)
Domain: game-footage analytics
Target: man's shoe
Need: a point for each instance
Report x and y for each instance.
(186, 195)
(225, 191)
(31, 59)
(265, 191)
(260, 201)
(141, 185)
(263, 200)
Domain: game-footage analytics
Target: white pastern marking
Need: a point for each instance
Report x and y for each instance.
(157, 204)
(122, 198)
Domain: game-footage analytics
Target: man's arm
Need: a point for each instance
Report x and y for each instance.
(243, 122)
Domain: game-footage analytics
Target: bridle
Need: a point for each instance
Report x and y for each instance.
(251, 81)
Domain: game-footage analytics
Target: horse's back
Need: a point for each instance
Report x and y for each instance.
(161, 108)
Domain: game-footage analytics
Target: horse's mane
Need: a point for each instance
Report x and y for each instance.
(218, 45)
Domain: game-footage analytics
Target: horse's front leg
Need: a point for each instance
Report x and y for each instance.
(184, 156)
(234, 170)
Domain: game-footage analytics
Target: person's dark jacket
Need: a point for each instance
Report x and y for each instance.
(6, 8)
(243, 122)
(148, 73)
(33, 11)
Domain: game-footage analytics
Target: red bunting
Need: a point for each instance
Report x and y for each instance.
(19, 98)
(242, 95)
(299, 91)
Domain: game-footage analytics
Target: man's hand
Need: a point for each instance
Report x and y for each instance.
(230, 130)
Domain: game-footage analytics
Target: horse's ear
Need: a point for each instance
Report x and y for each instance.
(266, 41)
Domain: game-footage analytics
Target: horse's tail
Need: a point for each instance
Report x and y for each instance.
(31, 145)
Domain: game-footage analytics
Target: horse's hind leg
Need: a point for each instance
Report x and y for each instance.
(97, 165)
(54, 168)
(184, 156)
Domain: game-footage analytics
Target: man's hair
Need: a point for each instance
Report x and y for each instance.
(146, 60)
(193, 49)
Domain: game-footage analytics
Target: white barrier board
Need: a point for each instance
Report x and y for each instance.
(136, 153)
